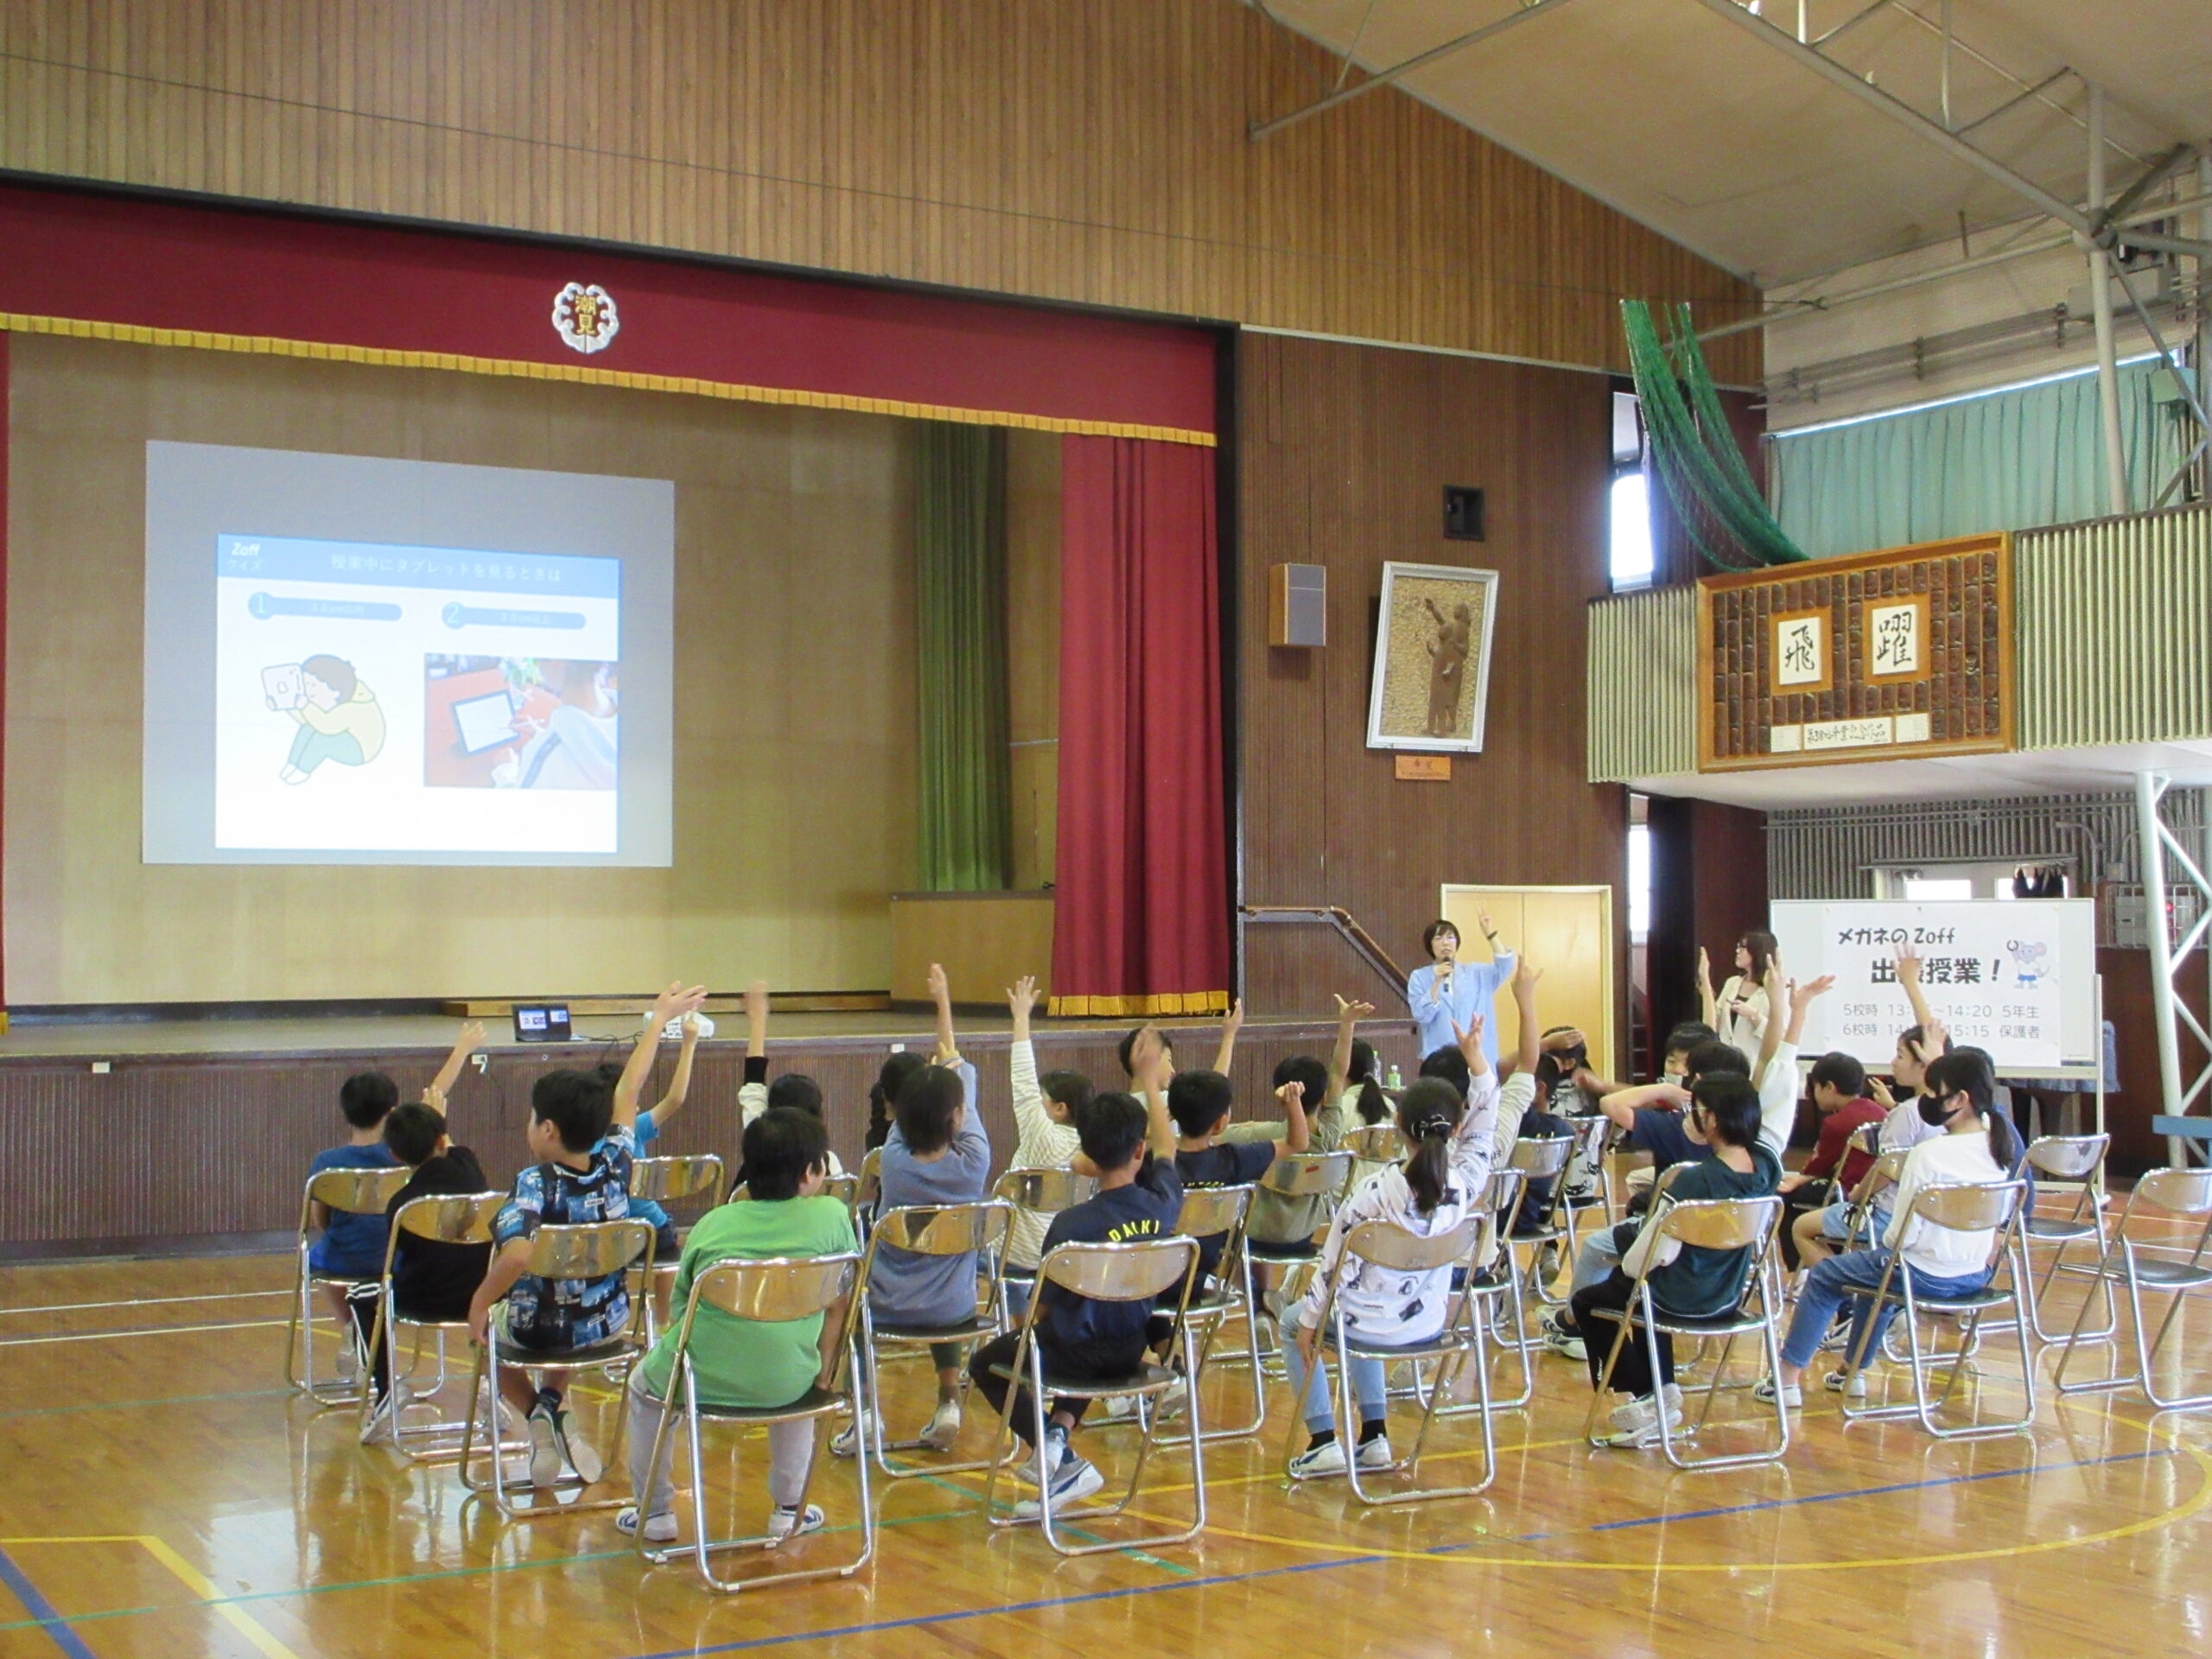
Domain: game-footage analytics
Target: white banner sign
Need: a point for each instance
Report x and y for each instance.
(2015, 978)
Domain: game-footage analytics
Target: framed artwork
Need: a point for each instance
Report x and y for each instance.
(1432, 659)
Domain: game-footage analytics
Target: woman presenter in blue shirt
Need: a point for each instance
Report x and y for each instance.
(1446, 992)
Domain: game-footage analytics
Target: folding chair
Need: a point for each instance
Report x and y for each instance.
(1039, 1192)
(1746, 1224)
(1226, 1209)
(979, 1228)
(770, 1292)
(665, 1181)
(1542, 1158)
(463, 1219)
(1301, 1175)
(1141, 1271)
(1861, 1206)
(353, 1192)
(1590, 1136)
(1392, 1248)
(578, 1250)
(845, 1188)
(2070, 1157)
(1374, 1143)
(1966, 1207)
(1492, 1285)
(2178, 1193)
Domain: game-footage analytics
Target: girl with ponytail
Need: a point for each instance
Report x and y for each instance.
(1973, 1145)
(1446, 1175)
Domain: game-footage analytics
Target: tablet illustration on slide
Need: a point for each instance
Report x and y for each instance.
(337, 716)
(520, 723)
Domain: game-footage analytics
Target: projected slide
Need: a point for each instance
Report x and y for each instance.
(497, 693)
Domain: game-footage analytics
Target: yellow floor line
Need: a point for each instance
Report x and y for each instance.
(191, 1578)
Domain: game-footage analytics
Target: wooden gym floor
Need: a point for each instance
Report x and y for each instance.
(165, 1495)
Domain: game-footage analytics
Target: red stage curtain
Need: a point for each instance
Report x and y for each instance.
(1142, 922)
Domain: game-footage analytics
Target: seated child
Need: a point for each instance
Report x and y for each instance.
(1324, 1093)
(577, 1179)
(745, 1362)
(1838, 1085)
(352, 1245)
(1132, 1048)
(1044, 1112)
(1441, 1184)
(1130, 1148)
(431, 1281)
(937, 1153)
(1690, 1282)
(1200, 1103)
(756, 1094)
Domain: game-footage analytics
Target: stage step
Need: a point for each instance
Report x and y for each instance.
(503, 1007)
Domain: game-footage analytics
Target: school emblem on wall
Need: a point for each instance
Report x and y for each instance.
(584, 315)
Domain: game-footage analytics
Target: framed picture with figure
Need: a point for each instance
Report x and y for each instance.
(1432, 659)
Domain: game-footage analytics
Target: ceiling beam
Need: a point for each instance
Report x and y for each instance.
(1259, 130)
(1848, 79)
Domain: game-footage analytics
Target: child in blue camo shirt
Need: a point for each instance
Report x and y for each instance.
(584, 1142)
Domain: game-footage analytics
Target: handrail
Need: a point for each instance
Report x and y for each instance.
(1347, 926)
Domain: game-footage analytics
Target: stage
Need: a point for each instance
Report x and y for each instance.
(169, 1136)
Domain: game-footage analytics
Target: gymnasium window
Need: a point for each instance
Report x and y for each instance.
(1639, 871)
(1629, 556)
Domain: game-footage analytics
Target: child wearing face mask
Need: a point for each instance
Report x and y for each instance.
(1971, 1143)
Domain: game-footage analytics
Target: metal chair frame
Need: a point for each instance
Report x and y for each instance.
(1141, 1271)
(2179, 1192)
(1960, 1206)
(1040, 1189)
(665, 1181)
(1492, 1282)
(1374, 1143)
(362, 1191)
(1749, 1224)
(573, 1250)
(2070, 1157)
(464, 1218)
(1302, 1175)
(1591, 1136)
(1544, 1157)
(1393, 1248)
(777, 1289)
(978, 1228)
(1207, 1211)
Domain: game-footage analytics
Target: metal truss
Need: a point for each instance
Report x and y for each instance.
(2165, 864)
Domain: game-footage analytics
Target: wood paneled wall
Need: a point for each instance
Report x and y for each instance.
(1343, 455)
(1090, 150)
(794, 758)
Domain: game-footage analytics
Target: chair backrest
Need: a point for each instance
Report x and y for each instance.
(665, 1180)
(2068, 1157)
(1396, 1249)
(2183, 1191)
(1503, 1197)
(776, 1289)
(1210, 1210)
(358, 1192)
(1867, 1138)
(1307, 1174)
(1722, 1223)
(1887, 1167)
(1542, 1156)
(946, 1229)
(589, 1249)
(1044, 1191)
(1374, 1143)
(1136, 1271)
(1969, 1206)
(1665, 1177)
(463, 1218)
(845, 1189)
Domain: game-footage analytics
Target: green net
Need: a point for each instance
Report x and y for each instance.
(1715, 499)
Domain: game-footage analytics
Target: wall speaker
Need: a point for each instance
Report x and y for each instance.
(1463, 513)
(1298, 605)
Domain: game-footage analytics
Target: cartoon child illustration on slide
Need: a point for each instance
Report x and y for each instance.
(340, 718)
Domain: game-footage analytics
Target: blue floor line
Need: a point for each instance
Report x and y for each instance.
(47, 1616)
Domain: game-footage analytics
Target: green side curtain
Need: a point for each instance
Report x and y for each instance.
(2007, 461)
(967, 835)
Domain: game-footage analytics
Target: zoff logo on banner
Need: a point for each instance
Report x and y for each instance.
(584, 315)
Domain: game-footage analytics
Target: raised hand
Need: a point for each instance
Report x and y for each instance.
(940, 988)
(1353, 1012)
(1704, 972)
(676, 1001)
(1233, 1021)
(1292, 1096)
(1021, 995)
(1525, 975)
(1908, 965)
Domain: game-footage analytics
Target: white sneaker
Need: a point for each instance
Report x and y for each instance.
(545, 1459)
(1170, 1405)
(658, 1529)
(1119, 1407)
(1850, 1384)
(1374, 1453)
(1327, 1458)
(1568, 1344)
(575, 1449)
(1076, 1479)
(1640, 1413)
(944, 1426)
(847, 1441)
(1765, 1391)
(793, 1523)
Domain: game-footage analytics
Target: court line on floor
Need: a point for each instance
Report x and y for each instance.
(141, 1405)
(204, 1593)
(43, 1612)
(141, 1331)
(145, 1301)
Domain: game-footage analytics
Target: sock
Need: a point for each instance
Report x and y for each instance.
(1373, 1429)
(549, 1400)
(1320, 1437)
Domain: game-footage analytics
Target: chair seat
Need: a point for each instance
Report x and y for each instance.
(1550, 1235)
(2172, 1276)
(1973, 1301)
(1450, 1342)
(817, 1402)
(1212, 1303)
(1732, 1323)
(961, 1330)
(1302, 1250)
(1146, 1379)
(599, 1353)
(2059, 1227)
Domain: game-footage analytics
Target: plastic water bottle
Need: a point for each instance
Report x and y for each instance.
(1396, 1079)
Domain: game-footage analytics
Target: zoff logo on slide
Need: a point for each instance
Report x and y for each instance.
(584, 315)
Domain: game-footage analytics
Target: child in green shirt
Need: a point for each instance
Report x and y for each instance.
(742, 1362)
